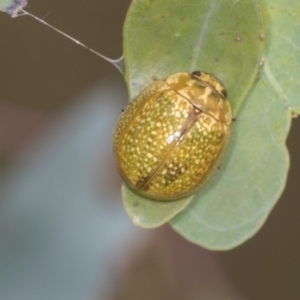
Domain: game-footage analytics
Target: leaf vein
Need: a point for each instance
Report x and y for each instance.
(197, 48)
(272, 80)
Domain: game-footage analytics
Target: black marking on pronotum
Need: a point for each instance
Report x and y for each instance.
(196, 73)
(224, 93)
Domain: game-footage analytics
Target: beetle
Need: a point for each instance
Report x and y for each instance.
(170, 139)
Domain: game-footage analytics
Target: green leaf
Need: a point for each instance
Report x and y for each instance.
(219, 37)
(225, 38)
(12, 7)
(282, 66)
(156, 215)
(259, 153)
(236, 202)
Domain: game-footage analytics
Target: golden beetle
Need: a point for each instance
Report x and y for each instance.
(170, 139)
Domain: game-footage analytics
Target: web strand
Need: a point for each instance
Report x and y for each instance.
(118, 63)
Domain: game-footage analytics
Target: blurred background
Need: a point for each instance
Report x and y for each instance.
(63, 231)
